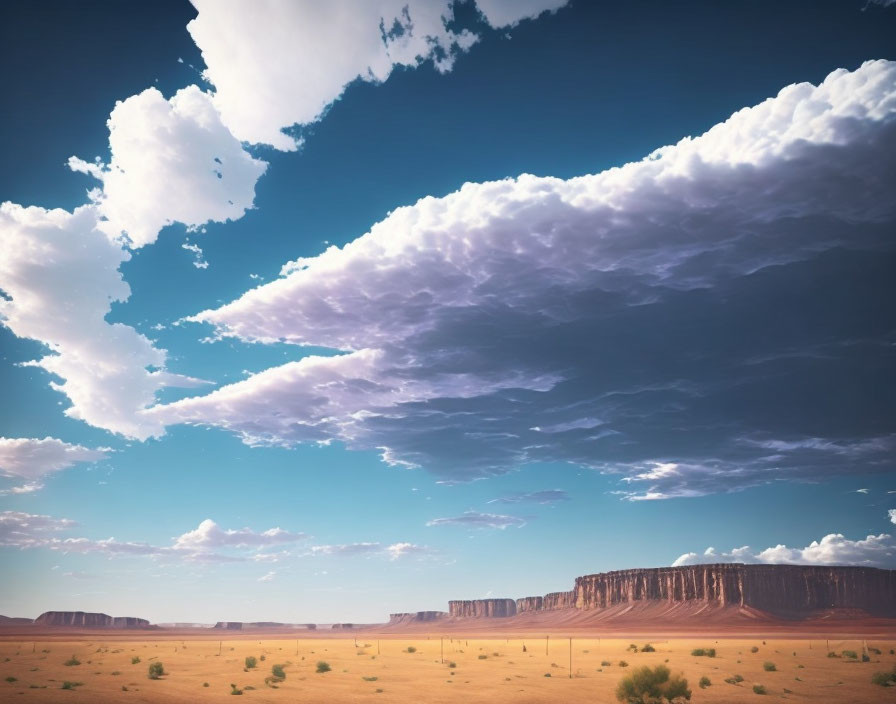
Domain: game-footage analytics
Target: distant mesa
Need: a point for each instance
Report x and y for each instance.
(242, 625)
(417, 617)
(85, 619)
(15, 621)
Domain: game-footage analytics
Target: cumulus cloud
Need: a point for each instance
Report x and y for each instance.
(18, 529)
(546, 496)
(276, 64)
(892, 514)
(33, 458)
(618, 321)
(832, 549)
(210, 536)
(171, 161)
(474, 519)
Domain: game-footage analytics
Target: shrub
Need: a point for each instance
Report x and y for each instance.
(323, 666)
(648, 649)
(876, 651)
(70, 685)
(235, 690)
(758, 689)
(262, 658)
(251, 662)
(205, 684)
(135, 660)
(652, 684)
(452, 665)
(547, 674)
(852, 654)
(370, 679)
(708, 652)
(769, 666)
(156, 670)
(11, 679)
(483, 657)
(72, 661)
(884, 678)
(605, 663)
(833, 655)
(411, 649)
(754, 649)
(277, 671)
(705, 682)
(865, 657)
(623, 663)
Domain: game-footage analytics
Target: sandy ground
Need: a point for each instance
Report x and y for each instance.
(380, 669)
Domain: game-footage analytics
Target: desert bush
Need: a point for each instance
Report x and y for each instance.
(135, 660)
(452, 665)
(652, 684)
(769, 666)
(156, 670)
(483, 657)
(605, 663)
(648, 649)
(876, 651)
(251, 662)
(72, 661)
(370, 679)
(758, 689)
(70, 685)
(832, 654)
(852, 654)
(277, 671)
(262, 658)
(708, 652)
(865, 657)
(235, 690)
(884, 678)
(705, 682)
(547, 674)
(323, 666)
(205, 684)
(623, 663)
(754, 649)
(11, 679)
(411, 649)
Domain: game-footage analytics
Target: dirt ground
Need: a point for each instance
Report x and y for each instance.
(377, 669)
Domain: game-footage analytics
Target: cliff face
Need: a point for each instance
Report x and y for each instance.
(82, 619)
(777, 589)
(479, 608)
(774, 588)
(417, 617)
(230, 625)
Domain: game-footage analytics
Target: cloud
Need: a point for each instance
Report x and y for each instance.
(832, 549)
(269, 577)
(32, 458)
(210, 536)
(892, 514)
(546, 496)
(395, 551)
(347, 549)
(475, 519)
(25, 530)
(617, 321)
(172, 161)
(276, 64)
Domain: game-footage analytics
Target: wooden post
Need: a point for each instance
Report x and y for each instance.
(442, 648)
(220, 645)
(570, 657)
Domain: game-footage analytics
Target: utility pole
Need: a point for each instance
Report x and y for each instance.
(220, 645)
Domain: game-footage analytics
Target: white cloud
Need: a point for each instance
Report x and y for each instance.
(545, 496)
(832, 549)
(23, 530)
(892, 514)
(276, 64)
(210, 536)
(530, 300)
(474, 519)
(269, 577)
(172, 161)
(33, 458)
(347, 549)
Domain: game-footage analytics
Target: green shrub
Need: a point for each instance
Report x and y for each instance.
(135, 660)
(884, 678)
(648, 649)
(156, 670)
(704, 682)
(708, 652)
(205, 684)
(547, 674)
(876, 651)
(235, 690)
(411, 649)
(754, 649)
(483, 657)
(70, 685)
(11, 679)
(277, 671)
(452, 665)
(251, 662)
(605, 663)
(852, 654)
(623, 663)
(370, 679)
(769, 666)
(72, 661)
(758, 689)
(865, 657)
(323, 666)
(652, 684)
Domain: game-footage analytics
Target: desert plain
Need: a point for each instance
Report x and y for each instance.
(372, 666)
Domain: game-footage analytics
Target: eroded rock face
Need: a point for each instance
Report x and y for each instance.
(417, 617)
(774, 588)
(777, 589)
(483, 608)
(230, 625)
(82, 619)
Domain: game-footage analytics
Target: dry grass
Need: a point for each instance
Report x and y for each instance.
(359, 674)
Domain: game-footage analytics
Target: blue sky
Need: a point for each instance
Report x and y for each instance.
(242, 365)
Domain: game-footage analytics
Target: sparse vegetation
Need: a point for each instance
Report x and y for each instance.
(483, 657)
(623, 663)
(705, 682)
(370, 679)
(884, 679)
(235, 690)
(278, 672)
(251, 662)
(605, 663)
(700, 652)
(70, 685)
(851, 654)
(71, 662)
(758, 689)
(411, 649)
(654, 685)
(135, 660)
(452, 665)
(11, 679)
(754, 649)
(769, 666)
(156, 670)
(323, 666)
(648, 649)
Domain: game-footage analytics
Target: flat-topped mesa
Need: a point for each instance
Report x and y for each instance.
(82, 619)
(230, 625)
(417, 617)
(529, 603)
(559, 600)
(482, 608)
(775, 588)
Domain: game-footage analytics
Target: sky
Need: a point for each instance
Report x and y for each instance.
(320, 312)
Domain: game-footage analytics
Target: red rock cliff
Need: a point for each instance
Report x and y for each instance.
(83, 619)
(479, 608)
(417, 617)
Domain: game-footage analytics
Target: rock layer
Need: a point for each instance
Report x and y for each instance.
(81, 619)
(417, 617)
(789, 590)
